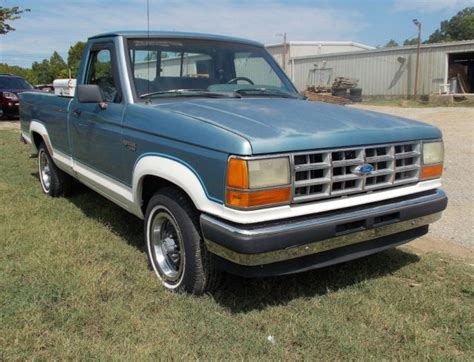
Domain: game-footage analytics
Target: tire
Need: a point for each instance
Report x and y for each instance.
(54, 182)
(175, 249)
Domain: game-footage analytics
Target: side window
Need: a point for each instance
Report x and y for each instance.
(101, 73)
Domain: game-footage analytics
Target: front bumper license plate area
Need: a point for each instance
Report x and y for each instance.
(289, 240)
(319, 246)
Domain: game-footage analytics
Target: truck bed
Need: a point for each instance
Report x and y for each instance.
(50, 110)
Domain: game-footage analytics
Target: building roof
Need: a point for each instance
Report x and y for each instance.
(390, 49)
(174, 35)
(321, 42)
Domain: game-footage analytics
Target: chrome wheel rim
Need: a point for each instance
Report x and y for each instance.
(166, 246)
(44, 170)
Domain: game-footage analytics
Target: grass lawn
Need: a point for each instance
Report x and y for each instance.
(74, 284)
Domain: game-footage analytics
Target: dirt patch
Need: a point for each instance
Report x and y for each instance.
(429, 244)
(9, 125)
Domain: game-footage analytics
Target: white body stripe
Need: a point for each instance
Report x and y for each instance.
(180, 175)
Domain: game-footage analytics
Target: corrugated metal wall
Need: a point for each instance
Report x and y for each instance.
(383, 72)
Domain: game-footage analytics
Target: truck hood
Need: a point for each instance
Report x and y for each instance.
(274, 125)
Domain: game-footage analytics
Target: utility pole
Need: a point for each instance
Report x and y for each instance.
(285, 50)
(418, 25)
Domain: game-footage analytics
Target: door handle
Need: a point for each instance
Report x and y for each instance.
(77, 112)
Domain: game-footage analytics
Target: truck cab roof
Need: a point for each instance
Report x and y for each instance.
(174, 35)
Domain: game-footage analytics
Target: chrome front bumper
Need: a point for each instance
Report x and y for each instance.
(263, 244)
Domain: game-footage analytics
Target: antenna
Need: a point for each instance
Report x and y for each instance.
(148, 42)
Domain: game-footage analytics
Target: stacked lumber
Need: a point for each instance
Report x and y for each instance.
(327, 98)
(344, 83)
(319, 88)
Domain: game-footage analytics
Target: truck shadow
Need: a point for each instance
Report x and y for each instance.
(241, 295)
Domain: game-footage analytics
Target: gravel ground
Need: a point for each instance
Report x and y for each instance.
(9, 124)
(457, 124)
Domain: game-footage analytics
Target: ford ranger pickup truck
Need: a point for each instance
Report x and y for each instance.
(206, 139)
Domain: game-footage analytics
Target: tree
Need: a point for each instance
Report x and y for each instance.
(392, 43)
(8, 15)
(41, 72)
(58, 67)
(74, 55)
(49, 70)
(459, 27)
(412, 41)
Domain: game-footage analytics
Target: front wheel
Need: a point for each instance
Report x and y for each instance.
(175, 248)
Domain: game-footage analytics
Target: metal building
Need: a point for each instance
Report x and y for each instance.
(296, 49)
(391, 71)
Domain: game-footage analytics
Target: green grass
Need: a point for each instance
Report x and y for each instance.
(74, 284)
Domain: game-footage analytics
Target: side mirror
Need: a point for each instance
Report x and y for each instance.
(89, 93)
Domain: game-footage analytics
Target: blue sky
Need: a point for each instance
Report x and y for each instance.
(57, 24)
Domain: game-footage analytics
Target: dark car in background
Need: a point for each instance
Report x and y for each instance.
(10, 87)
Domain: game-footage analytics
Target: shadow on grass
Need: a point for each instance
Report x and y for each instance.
(241, 295)
(121, 222)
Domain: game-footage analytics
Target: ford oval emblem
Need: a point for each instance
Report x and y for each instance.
(364, 170)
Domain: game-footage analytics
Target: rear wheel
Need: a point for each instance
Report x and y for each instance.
(175, 248)
(54, 182)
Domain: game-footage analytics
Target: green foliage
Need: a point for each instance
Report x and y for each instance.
(58, 68)
(391, 43)
(43, 72)
(412, 41)
(49, 70)
(7, 15)
(74, 55)
(459, 27)
(22, 72)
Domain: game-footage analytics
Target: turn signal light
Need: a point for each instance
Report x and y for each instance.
(243, 199)
(432, 171)
(237, 174)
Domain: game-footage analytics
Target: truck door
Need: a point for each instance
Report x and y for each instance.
(95, 131)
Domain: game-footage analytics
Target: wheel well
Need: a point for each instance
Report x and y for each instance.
(37, 139)
(151, 184)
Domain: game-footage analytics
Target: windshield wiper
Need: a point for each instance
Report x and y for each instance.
(192, 92)
(267, 92)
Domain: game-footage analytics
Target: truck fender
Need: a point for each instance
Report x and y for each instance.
(177, 172)
(62, 160)
(39, 128)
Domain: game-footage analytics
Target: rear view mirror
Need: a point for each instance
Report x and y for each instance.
(89, 93)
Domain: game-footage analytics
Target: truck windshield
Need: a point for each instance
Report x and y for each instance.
(190, 67)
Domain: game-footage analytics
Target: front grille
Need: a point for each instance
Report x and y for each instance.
(331, 173)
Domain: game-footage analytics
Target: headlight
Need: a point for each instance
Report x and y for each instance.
(433, 152)
(269, 172)
(256, 183)
(433, 157)
(10, 95)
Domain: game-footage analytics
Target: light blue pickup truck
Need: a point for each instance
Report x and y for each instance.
(206, 139)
